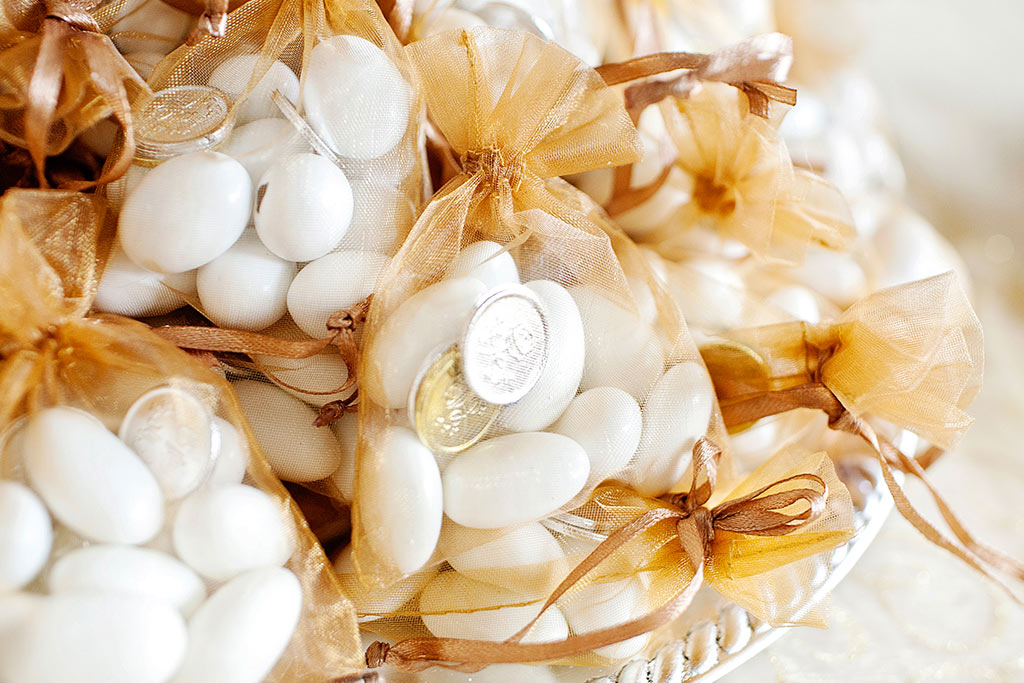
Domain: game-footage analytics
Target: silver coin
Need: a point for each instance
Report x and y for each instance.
(172, 432)
(505, 345)
(179, 120)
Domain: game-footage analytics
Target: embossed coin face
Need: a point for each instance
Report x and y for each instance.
(187, 118)
(505, 346)
(448, 416)
(172, 432)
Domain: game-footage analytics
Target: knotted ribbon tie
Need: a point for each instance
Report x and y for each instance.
(67, 23)
(213, 15)
(756, 66)
(762, 512)
(341, 325)
(915, 344)
(212, 22)
(492, 166)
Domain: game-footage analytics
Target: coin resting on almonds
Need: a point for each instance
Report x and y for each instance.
(77, 589)
(486, 363)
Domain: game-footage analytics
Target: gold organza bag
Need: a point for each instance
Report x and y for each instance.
(311, 84)
(163, 505)
(907, 357)
(58, 77)
(744, 185)
(354, 100)
(468, 510)
(588, 317)
(758, 545)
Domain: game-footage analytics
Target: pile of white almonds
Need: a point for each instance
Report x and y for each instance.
(237, 225)
(140, 557)
(607, 404)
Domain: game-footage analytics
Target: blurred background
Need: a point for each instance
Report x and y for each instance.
(948, 81)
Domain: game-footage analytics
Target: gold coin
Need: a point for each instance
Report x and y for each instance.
(448, 416)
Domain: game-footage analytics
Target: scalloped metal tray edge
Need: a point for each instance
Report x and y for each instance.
(675, 662)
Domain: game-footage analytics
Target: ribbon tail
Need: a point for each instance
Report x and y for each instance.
(400, 17)
(265, 369)
(20, 372)
(43, 92)
(631, 198)
(910, 513)
(649, 65)
(212, 22)
(469, 656)
(238, 341)
(1000, 561)
(108, 71)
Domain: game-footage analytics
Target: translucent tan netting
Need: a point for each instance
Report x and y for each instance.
(744, 185)
(52, 356)
(911, 354)
(287, 31)
(388, 190)
(517, 111)
(761, 547)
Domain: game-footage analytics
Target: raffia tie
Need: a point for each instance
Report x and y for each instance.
(342, 326)
(65, 21)
(759, 513)
(817, 396)
(493, 166)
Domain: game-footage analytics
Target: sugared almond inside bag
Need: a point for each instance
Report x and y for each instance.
(517, 341)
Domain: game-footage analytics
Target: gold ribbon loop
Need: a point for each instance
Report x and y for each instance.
(759, 513)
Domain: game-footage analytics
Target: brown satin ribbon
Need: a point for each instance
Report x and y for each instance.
(625, 198)
(816, 396)
(212, 22)
(67, 21)
(759, 513)
(755, 66)
(400, 15)
(341, 324)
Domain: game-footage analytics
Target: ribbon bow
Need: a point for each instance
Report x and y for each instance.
(68, 40)
(910, 354)
(707, 540)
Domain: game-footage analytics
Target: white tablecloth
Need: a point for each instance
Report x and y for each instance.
(909, 611)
